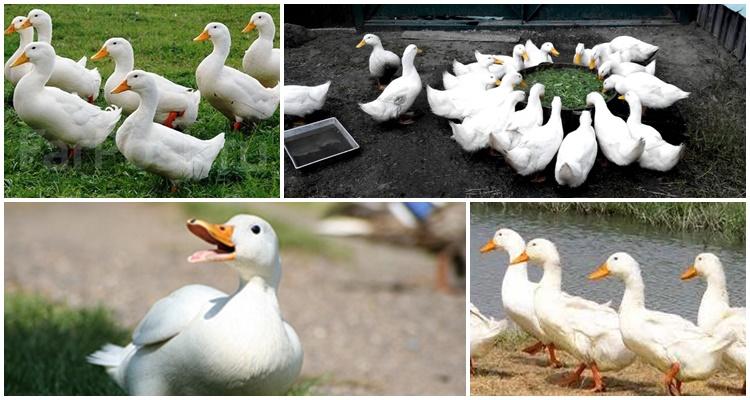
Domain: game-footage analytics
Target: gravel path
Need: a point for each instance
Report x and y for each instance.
(370, 323)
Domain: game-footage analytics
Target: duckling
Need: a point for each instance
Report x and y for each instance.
(261, 60)
(383, 63)
(583, 55)
(26, 35)
(400, 94)
(477, 130)
(156, 148)
(484, 61)
(303, 100)
(577, 154)
(539, 55)
(657, 155)
(537, 146)
(653, 92)
(613, 134)
(624, 68)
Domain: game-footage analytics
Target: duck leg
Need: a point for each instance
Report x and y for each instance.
(671, 383)
(171, 117)
(534, 348)
(91, 99)
(553, 361)
(379, 84)
(598, 382)
(442, 272)
(173, 188)
(406, 118)
(574, 377)
(236, 125)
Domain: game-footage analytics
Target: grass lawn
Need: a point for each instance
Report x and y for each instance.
(46, 346)
(161, 36)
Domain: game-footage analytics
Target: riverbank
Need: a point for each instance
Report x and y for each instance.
(507, 371)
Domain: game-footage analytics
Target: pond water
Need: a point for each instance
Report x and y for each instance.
(584, 242)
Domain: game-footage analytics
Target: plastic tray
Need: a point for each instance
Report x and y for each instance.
(322, 140)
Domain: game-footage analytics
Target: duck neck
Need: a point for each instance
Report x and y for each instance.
(716, 289)
(147, 107)
(601, 107)
(534, 101)
(44, 32)
(26, 35)
(633, 297)
(268, 32)
(124, 63)
(516, 271)
(407, 65)
(38, 77)
(635, 112)
(552, 277)
(220, 52)
(253, 274)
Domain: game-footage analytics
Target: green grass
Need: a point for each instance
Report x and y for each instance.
(161, 36)
(723, 219)
(46, 346)
(570, 84)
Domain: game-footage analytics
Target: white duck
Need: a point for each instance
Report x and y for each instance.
(477, 131)
(516, 60)
(262, 60)
(482, 331)
(536, 147)
(530, 116)
(633, 49)
(240, 97)
(487, 99)
(653, 92)
(178, 105)
(452, 103)
(583, 55)
(668, 342)
(624, 68)
(400, 94)
(473, 79)
(613, 134)
(202, 341)
(538, 55)
(26, 35)
(58, 116)
(715, 314)
(484, 61)
(383, 63)
(68, 75)
(588, 331)
(657, 155)
(156, 148)
(577, 154)
(518, 292)
(300, 101)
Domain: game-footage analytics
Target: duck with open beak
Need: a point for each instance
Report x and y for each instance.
(216, 234)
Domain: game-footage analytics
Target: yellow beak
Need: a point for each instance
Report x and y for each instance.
(361, 44)
(249, 27)
(100, 54)
(523, 257)
(22, 59)
(488, 247)
(525, 56)
(419, 51)
(689, 273)
(601, 78)
(26, 24)
(621, 97)
(600, 272)
(123, 86)
(555, 52)
(203, 36)
(592, 64)
(498, 61)
(498, 82)
(522, 84)
(11, 29)
(577, 59)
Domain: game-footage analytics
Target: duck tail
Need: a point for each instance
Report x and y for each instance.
(637, 150)
(651, 68)
(723, 341)
(449, 80)
(565, 175)
(459, 69)
(203, 161)
(82, 61)
(113, 358)
(190, 114)
(440, 104)
(319, 93)
(376, 109)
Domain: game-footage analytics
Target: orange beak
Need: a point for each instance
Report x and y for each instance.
(203, 36)
(525, 56)
(498, 61)
(523, 257)
(100, 54)
(26, 24)
(123, 86)
(249, 27)
(555, 52)
(577, 59)
(689, 273)
(219, 235)
(361, 44)
(488, 247)
(11, 29)
(22, 59)
(600, 272)
(592, 64)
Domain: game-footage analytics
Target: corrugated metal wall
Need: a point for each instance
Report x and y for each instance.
(726, 25)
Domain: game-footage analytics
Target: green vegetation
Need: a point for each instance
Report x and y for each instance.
(570, 84)
(722, 219)
(46, 347)
(161, 36)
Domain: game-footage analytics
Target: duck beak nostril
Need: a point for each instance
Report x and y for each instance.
(192, 221)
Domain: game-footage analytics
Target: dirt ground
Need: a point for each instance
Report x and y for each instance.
(508, 371)
(370, 322)
(420, 160)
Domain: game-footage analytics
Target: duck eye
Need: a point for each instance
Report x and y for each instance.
(615, 258)
(255, 229)
(33, 47)
(214, 26)
(135, 76)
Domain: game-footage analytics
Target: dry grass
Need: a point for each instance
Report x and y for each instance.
(507, 371)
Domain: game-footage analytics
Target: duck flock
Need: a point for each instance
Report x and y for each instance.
(480, 100)
(53, 95)
(602, 339)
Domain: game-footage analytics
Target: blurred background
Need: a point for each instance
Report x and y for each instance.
(374, 290)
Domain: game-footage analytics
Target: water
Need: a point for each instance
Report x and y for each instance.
(317, 144)
(585, 242)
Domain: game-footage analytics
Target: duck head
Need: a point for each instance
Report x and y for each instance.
(246, 243)
(16, 25)
(36, 53)
(137, 81)
(37, 18)
(705, 265)
(370, 39)
(611, 82)
(549, 48)
(621, 265)
(259, 20)
(585, 118)
(520, 51)
(579, 54)
(514, 79)
(536, 91)
(213, 31)
(604, 70)
(115, 47)
(505, 239)
(593, 98)
(539, 251)
(411, 51)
